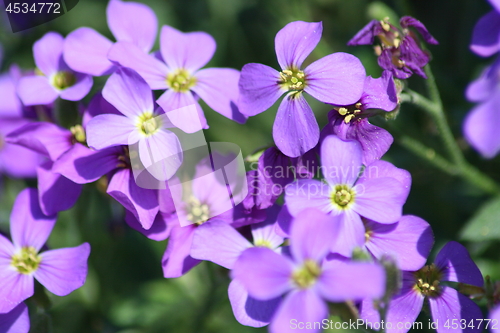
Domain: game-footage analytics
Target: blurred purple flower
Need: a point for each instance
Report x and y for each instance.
(178, 71)
(15, 321)
(453, 263)
(481, 124)
(486, 33)
(61, 271)
(378, 193)
(336, 79)
(55, 78)
(139, 124)
(495, 317)
(399, 50)
(350, 122)
(86, 50)
(306, 279)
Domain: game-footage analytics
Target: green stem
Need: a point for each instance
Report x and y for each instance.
(457, 165)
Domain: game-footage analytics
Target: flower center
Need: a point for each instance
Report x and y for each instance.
(350, 112)
(292, 79)
(343, 196)
(198, 213)
(78, 133)
(148, 124)
(62, 80)
(307, 275)
(180, 80)
(427, 281)
(261, 242)
(27, 261)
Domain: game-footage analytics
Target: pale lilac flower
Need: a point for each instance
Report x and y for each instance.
(453, 263)
(336, 79)
(486, 33)
(306, 279)
(179, 72)
(55, 78)
(140, 124)
(61, 271)
(495, 319)
(86, 50)
(15, 321)
(350, 122)
(377, 194)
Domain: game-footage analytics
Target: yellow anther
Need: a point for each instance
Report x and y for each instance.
(343, 111)
(348, 118)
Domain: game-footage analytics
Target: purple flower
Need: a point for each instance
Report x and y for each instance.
(399, 51)
(55, 78)
(495, 319)
(481, 124)
(16, 161)
(15, 321)
(159, 149)
(336, 79)
(306, 279)
(452, 263)
(377, 194)
(350, 122)
(408, 241)
(486, 33)
(86, 50)
(61, 271)
(178, 71)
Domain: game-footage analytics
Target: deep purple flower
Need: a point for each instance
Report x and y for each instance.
(336, 79)
(481, 124)
(307, 279)
(350, 122)
(452, 263)
(61, 271)
(159, 149)
(486, 33)
(408, 242)
(86, 50)
(178, 71)
(15, 321)
(399, 50)
(55, 78)
(377, 194)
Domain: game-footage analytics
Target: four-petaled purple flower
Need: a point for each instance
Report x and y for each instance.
(378, 192)
(336, 79)
(54, 77)
(399, 51)
(453, 263)
(306, 277)
(61, 271)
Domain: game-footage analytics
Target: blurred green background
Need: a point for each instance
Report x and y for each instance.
(125, 291)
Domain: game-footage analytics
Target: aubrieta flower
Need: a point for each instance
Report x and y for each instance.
(61, 271)
(336, 79)
(15, 321)
(486, 33)
(178, 70)
(453, 263)
(158, 147)
(481, 124)
(399, 50)
(408, 242)
(306, 279)
(350, 122)
(378, 193)
(86, 50)
(54, 77)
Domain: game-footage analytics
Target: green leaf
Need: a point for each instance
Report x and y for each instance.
(484, 225)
